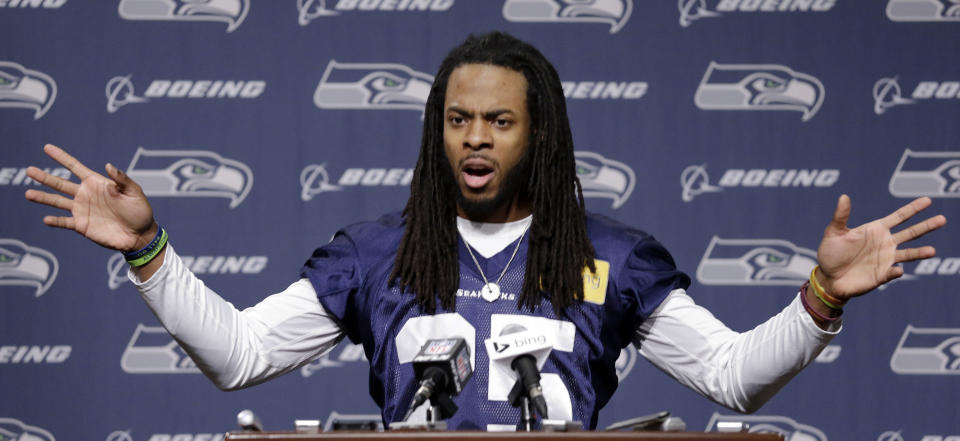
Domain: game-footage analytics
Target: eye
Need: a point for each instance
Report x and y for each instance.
(5, 258)
(501, 123)
(457, 120)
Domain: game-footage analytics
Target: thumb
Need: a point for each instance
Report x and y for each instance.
(840, 215)
(120, 178)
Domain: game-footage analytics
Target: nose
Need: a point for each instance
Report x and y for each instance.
(478, 135)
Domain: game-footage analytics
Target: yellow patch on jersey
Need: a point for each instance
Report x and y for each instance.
(595, 284)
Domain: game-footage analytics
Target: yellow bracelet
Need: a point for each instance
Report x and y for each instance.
(827, 299)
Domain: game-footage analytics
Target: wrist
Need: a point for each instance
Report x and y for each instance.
(822, 287)
(145, 237)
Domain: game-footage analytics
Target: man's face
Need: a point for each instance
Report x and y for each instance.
(485, 135)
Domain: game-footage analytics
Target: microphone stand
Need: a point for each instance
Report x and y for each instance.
(518, 397)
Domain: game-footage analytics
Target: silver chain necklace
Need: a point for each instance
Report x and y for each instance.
(491, 291)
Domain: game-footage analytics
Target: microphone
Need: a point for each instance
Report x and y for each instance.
(442, 367)
(522, 348)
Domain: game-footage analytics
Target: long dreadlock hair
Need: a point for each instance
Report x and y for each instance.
(558, 249)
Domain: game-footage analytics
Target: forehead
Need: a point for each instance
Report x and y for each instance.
(486, 87)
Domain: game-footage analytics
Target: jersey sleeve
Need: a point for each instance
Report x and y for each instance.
(647, 276)
(336, 274)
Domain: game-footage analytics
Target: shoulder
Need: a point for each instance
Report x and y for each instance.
(624, 246)
(614, 237)
(370, 235)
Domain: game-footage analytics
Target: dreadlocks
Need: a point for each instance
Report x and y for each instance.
(559, 248)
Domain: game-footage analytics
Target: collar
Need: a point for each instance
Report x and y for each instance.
(489, 239)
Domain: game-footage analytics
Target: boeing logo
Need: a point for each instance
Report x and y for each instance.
(692, 10)
(770, 87)
(612, 12)
(927, 351)
(933, 174)
(695, 181)
(923, 10)
(372, 86)
(310, 10)
(120, 92)
(117, 266)
(231, 12)
(16, 430)
(34, 354)
(314, 179)
(755, 262)
(48, 4)
(24, 265)
(887, 94)
(18, 175)
(604, 178)
(152, 351)
(190, 173)
(26, 88)
(787, 427)
(632, 90)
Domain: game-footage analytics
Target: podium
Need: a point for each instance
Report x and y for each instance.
(501, 436)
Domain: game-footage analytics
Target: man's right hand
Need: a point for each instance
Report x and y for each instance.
(112, 212)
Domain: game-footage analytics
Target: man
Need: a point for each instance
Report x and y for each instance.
(494, 238)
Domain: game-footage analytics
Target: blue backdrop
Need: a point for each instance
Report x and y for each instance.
(726, 128)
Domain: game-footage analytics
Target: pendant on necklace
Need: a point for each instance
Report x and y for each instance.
(490, 292)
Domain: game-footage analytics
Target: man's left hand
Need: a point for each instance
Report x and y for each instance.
(855, 261)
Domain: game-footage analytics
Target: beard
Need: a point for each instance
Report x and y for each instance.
(514, 184)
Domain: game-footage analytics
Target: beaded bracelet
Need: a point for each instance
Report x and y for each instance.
(144, 255)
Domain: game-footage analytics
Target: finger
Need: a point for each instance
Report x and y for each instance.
(53, 200)
(911, 254)
(71, 163)
(905, 212)
(54, 182)
(122, 179)
(61, 222)
(919, 229)
(893, 273)
(841, 214)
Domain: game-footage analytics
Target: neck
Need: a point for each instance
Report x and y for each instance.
(517, 209)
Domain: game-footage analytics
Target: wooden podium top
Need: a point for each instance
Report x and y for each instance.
(500, 436)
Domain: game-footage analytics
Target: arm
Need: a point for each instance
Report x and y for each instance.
(235, 348)
(738, 370)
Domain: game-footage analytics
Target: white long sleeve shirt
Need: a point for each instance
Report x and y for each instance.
(288, 329)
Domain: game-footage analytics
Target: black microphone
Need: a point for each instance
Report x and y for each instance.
(517, 345)
(442, 368)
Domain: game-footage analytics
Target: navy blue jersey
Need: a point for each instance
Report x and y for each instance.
(634, 274)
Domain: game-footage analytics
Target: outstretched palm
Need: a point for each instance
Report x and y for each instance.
(113, 212)
(855, 261)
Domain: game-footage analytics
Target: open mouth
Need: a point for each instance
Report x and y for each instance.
(477, 175)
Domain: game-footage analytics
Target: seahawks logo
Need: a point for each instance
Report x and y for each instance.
(604, 178)
(933, 174)
(927, 351)
(24, 265)
(759, 87)
(231, 12)
(755, 262)
(923, 10)
(16, 430)
(26, 88)
(372, 86)
(190, 173)
(612, 12)
(787, 427)
(151, 350)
